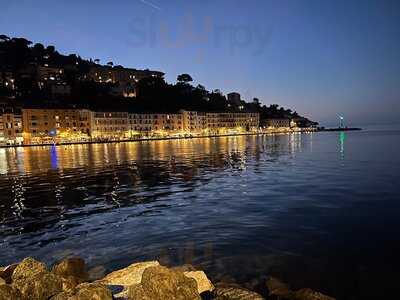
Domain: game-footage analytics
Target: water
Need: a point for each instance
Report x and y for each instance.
(317, 210)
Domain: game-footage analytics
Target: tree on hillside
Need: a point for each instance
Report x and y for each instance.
(184, 78)
(4, 38)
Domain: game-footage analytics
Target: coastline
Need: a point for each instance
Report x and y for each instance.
(271, 132)
(69, 279)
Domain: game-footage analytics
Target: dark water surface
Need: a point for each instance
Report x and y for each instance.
(318, 210)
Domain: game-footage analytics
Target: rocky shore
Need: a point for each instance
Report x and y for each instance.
(69, 280)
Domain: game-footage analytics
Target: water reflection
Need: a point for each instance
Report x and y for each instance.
(342, 139)
(240, 207)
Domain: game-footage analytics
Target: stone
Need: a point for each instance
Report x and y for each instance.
(203, 283)
(7, 272)
(130, 275)
(71, 267)
(137, 292)
(277, 289)
(92, 291)
(69, 283)
(29, 267)
(119, 281)
(159, 283)
(2, 281)
(7, 292)
(224, 291)
(309, 294)
(40, 286)
(63, 296)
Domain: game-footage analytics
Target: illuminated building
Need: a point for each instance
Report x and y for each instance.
(124, 78)
(277, 123)
(56, 125)
(11, 128)
(109, 125)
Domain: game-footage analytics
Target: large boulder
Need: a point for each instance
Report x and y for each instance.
(71, 267)
(29, 267)
(119, 281)
(86, 291)
(7, 292)
(92, 291)
(278, 290)
(40, 286)
(159, 283)
(203, 283)
(224, 291)
(309, 294)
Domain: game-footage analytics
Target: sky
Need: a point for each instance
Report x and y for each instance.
(322, 58)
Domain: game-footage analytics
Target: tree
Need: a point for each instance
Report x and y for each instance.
(110, 63)
(4, 38)
(97, 61)
(184, 78)
(50, 49)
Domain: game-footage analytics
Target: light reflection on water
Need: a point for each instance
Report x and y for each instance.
(240, 207)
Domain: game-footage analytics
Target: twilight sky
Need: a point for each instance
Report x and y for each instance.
(319, 57)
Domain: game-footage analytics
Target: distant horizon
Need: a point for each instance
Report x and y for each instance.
(320, 59)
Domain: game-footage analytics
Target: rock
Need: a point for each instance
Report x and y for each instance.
(130, 275)
(309, 294)
(2, 281)
(40, 286)
(119, 281)
(7, 292)
(29, 267)
(92, 291)
(7, 272)
(277, 289)
(224, 291)
(63, 296)
(159, 283)
(69, 283)
(203, 283)
(71, 267)
(137, 292)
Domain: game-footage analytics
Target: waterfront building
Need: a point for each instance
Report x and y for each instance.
(156, 124)
(11, 127)
(232, 122)
(109, 125)
(55, 125)
(277, 123)
(190, 121)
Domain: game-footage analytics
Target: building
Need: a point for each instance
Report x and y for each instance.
(125, 79)
(156, 124)
(11, 127)
(109, 125)
(56, 125)
(277, 123)
(7, 80)
(230, 122)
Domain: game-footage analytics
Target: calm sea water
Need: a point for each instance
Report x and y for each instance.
(317, 210)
